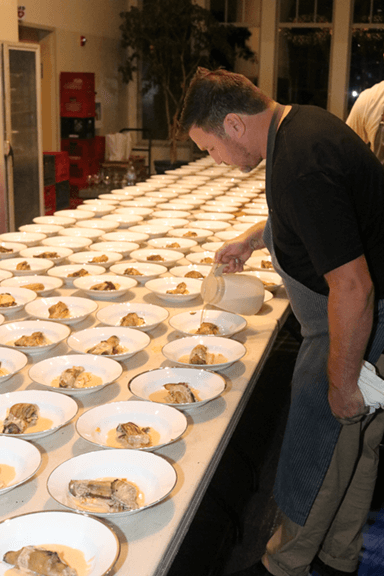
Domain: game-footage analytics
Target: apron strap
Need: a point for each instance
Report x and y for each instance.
(277, 114)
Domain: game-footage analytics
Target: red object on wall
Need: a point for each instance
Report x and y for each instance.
(61, 165)
(49, 199)
(77, 94)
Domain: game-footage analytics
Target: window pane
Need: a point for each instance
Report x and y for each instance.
(378, 11)
(324, 10)
(234, 13)
(303, 66)
(304, 10)
(218, 9)
(367, 63)
(362, 10)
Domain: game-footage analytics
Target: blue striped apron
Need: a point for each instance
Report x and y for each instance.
(312, 431)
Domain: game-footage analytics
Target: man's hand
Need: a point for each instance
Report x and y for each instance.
(347, 408)
(236, 252)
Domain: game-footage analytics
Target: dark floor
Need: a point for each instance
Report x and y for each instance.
(238, 513)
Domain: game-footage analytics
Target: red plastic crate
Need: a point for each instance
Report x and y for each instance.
(77, 94)
(49, 199)
(99, 148)
(61, 162)
(78, 149)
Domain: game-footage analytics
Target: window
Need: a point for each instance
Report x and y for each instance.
(304, 45)
(367, 58)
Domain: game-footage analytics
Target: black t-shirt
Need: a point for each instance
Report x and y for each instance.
(327, 199)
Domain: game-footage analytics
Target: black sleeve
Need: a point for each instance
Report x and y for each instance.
(322, 215)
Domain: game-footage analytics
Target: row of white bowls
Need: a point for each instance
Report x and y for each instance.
(155, 477)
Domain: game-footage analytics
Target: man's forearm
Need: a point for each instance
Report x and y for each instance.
(350, 324)
(255, 235)
(350, 319)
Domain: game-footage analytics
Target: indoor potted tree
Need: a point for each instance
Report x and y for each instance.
(169, 39)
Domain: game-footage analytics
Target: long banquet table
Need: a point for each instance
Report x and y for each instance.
(149, 539)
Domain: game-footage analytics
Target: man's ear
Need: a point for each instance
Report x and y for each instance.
(234, 125)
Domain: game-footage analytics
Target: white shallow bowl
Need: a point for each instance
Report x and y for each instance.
(75, 214)
(207, 385)
(96, 209)
(96, 425)
(271, 280)
(123, 248)
(77, 232)
(61, 273)
(46, 371)
(212, 246)
(22, 456)
(75, 243)
(133, 340)
(127, 209)
(13, 361)
(218, 208)
(46, 229)
(99, 224)
(152, 231)
(255, 262)
(188, 323)
(171, 214)
(199, 257)
(213, 225)
(26, 238)
(5, 275)
(181, 271)
(124, 236)
(50, 283)
(228, 235)
(243, 226)
(85, 284)
(86, 257)
(170, 223)
(201, 234)
(142, 202)
(159, 286)
(151, 314)
(259, 217)
(14, 247)
(168, 257)
(61, 253)
(53, 331)
(152, 474)
(98, 543)
(55, 410)
(230, 349)
(214, 216)
(79, 308)
(22, 297)
(184, 244)
(101, 201)
(148, 271)
(55, 220)
(123, 220)
(37, 266)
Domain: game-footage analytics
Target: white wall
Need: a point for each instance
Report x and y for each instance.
(98, 21)
(8, 20)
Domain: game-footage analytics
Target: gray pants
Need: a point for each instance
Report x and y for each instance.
(333, 527)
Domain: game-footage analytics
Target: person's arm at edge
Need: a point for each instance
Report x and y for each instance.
(237, 251)
(350, 318)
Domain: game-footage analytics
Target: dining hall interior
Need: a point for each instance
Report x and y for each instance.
(89, 166)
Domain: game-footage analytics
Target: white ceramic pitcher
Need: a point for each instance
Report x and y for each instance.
(237, 293)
